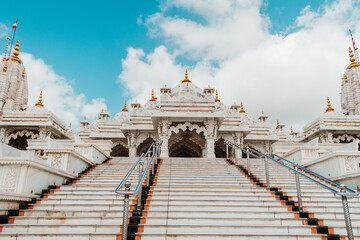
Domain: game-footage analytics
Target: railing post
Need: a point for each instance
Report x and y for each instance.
(267, 172)
(346, 213)
(248, 158)
(140, 188)
(227, 151)
(126, 211)
(148, 172)
(298, 187)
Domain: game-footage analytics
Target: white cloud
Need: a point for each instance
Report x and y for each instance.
(287, 76)
(4, 31)
(58, 94)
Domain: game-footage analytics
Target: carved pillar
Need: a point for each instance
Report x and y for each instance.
(132, 151)
(3, 138)
(132, 144)
(210, 136)
(210, 147)
(164, 147)
(238, 139)
(164, 135)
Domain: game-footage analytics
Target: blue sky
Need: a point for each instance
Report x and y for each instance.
(86, 41)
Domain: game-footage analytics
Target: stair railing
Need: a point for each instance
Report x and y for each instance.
(341, 191)
(146, 158)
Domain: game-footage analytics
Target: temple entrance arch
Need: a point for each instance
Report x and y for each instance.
(144, 146)
(119, 150)
(20, 142)
(220, 149)
(186, 143)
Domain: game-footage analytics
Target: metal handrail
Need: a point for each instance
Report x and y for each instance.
(314, 173)
(352, 192)
(342, 193)
(152, 153)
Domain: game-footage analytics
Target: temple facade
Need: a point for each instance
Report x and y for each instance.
(191, 122)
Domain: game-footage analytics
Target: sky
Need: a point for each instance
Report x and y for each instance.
(277, 56)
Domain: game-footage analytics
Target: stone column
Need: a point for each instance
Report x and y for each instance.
(210, 147)
(164, 147)
(132, 151)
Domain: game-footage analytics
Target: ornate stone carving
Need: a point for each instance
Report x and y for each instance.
(57, 160)
(349, 164)
(9, 180)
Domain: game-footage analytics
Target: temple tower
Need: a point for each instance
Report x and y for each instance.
(350, 87)
(13, 83)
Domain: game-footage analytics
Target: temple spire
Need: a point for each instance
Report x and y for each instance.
(217, 96)
(186, 77)
(39, 103)
(152, 99)
(329, 108)
(17, 49)
(351, 55)
(242, 108)
(124, 109)
(7, 45)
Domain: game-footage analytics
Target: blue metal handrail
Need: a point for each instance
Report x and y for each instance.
(335, 191)
(155, 145)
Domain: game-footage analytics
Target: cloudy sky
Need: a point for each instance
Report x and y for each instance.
(277, 56)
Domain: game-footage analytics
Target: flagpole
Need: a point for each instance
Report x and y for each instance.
(355, 49)
(12, 40)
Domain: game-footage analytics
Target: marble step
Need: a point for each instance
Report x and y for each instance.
(59, 236)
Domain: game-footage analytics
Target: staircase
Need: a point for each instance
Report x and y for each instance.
(87, 209)
(190, 199)
(213, 199)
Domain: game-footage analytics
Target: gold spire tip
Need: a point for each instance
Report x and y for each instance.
(186, 77)
(329, 108)
(217, 96)
(242, 108)
(291, 128)
(152, 99)
(39, 103)
(17, 48)
(124, 109)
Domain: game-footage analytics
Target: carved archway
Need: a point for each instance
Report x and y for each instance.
(20, 142)
(119, 150)
(18, 139)
(220, 149)
(186, 143)
(144, 146)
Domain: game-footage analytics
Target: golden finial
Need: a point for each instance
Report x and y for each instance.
(17, 48)
(70, 126)
(345, 78)
(7, 44)
(262, 112)
(329, 108)
(186, 77)
(5, 67)
(39, 103)
(351, 54)
(152, 99)
(242, 108)
(84, 118)
(291, 130)
(217, 96)
(102, 110)
(277, 122)
(124, 109)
